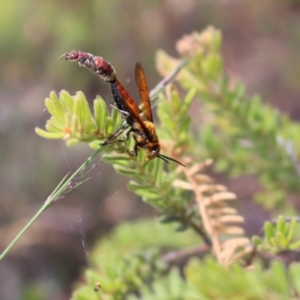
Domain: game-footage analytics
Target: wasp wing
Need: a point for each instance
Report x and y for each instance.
(132, 108)
(141, 82)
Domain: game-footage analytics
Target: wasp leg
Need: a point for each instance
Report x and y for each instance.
(134, 151)
(113, 137)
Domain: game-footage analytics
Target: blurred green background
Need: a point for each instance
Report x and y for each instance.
(261, 47)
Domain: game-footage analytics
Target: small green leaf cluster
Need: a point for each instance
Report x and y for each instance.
(72, 120)
(174, 118)
(121, 269)
(210, 280)
(169, 287)
(119, 276)
(278, 236)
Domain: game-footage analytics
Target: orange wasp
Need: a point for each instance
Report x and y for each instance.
(142, 128)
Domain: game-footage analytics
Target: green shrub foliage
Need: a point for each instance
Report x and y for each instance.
(243, 136)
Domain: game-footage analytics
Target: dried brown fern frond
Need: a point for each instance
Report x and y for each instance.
(221, 221)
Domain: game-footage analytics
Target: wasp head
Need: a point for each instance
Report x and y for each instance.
(153, 151)
(76, 56)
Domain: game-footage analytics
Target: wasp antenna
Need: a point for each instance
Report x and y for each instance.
(164, 158)
(63, 56)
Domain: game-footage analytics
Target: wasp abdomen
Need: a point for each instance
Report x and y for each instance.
(104, 69)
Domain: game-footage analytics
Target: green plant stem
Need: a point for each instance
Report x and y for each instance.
(42, 209)
(63, 187)
(201, 232)
(163, 83)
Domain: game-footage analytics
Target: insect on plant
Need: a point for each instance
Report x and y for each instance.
(139, 121)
